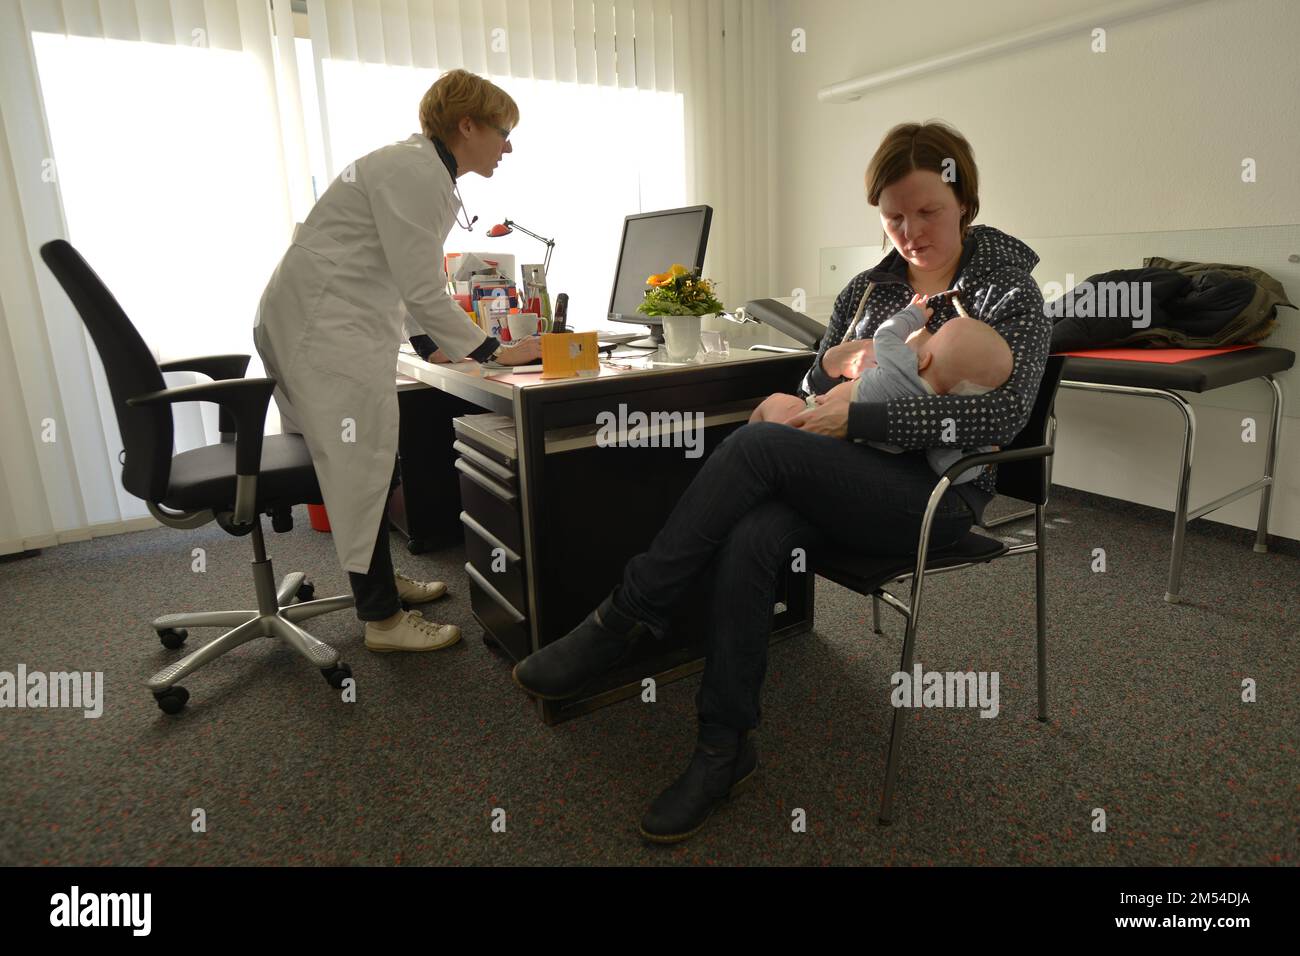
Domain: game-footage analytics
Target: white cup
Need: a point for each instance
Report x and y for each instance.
(681, 336)
(521, 325)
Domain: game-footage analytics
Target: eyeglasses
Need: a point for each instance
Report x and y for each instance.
(505, 133)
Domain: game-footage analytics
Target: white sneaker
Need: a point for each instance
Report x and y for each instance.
(411, 633)
(418, 592)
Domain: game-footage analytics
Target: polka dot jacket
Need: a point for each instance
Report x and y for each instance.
(996, 287)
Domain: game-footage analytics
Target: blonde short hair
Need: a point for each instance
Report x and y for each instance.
(458, 94)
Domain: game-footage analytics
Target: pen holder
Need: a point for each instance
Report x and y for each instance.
(566, 354)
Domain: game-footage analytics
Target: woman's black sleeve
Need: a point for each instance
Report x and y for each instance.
(817, 382)
(425, 347)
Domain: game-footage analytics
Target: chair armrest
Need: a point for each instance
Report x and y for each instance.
(994, 457)
(247, 399)
(219, 367)
(941, 487)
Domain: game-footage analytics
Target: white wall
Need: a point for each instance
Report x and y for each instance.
(1147, 136)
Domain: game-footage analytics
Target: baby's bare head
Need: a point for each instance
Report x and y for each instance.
(967, 356)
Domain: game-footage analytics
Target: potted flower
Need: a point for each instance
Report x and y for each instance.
(682, 299)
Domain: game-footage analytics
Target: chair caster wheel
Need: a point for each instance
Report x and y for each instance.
(493, 646)
(336, 675)
(173, 637)
(419, 545)
(173, 699)
(306, 591)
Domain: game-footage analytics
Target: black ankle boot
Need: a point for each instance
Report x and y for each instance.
(723, 766)
(597, 645)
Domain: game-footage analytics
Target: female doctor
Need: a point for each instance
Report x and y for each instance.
(368, 260)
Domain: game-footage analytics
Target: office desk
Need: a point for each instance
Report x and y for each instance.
(425, 507)
(577, 511)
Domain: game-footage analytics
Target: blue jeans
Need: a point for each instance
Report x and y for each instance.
(766, 490)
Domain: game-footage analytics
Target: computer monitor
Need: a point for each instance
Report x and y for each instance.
(652, 242)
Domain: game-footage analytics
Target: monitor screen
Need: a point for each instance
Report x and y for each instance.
(652, 242)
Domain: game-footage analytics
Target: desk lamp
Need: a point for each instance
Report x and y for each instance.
(507, 227)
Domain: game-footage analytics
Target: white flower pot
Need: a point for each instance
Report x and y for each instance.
(682, 336)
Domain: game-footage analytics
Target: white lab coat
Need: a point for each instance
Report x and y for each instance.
(367, 260)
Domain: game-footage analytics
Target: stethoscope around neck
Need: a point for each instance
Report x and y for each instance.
(468, 223)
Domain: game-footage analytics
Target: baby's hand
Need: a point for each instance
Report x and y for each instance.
(923, 301)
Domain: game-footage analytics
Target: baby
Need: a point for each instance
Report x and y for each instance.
(965, 357)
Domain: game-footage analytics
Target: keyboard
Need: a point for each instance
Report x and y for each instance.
(615, 336)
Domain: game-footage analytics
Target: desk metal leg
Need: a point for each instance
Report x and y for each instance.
(1181, 515)
(1180, 503)
(1184, 472)
(1270, 460)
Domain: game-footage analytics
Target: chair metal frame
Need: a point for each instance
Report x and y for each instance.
(911, 610)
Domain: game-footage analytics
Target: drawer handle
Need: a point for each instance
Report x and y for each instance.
(493, 488)
(497, 471)
(489, 537)
(493, 593)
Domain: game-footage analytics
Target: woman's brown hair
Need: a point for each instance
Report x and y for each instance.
(459, 93)
(912, 146)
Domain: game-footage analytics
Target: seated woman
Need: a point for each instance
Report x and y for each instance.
(769, 488)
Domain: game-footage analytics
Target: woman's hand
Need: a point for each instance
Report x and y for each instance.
(849, 359)
(831, 418)
(521, 353)
(842, 392)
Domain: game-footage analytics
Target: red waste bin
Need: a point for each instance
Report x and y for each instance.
(320, 521)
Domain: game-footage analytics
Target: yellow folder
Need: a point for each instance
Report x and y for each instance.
(566, 354)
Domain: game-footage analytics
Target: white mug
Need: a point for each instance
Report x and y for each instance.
(521, 325)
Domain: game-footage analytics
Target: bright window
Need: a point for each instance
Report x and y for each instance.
(584, 157)
(171, 190)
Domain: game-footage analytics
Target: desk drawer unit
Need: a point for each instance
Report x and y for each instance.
(504, 623)
(492, 519)
(499, 566)
(492, 436)
(493, 505)
(494, 470)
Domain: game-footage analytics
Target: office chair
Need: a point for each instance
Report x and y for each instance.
(1024, 472)
(232, 483)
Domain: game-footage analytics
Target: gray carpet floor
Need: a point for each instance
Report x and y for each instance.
(1147, 722)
